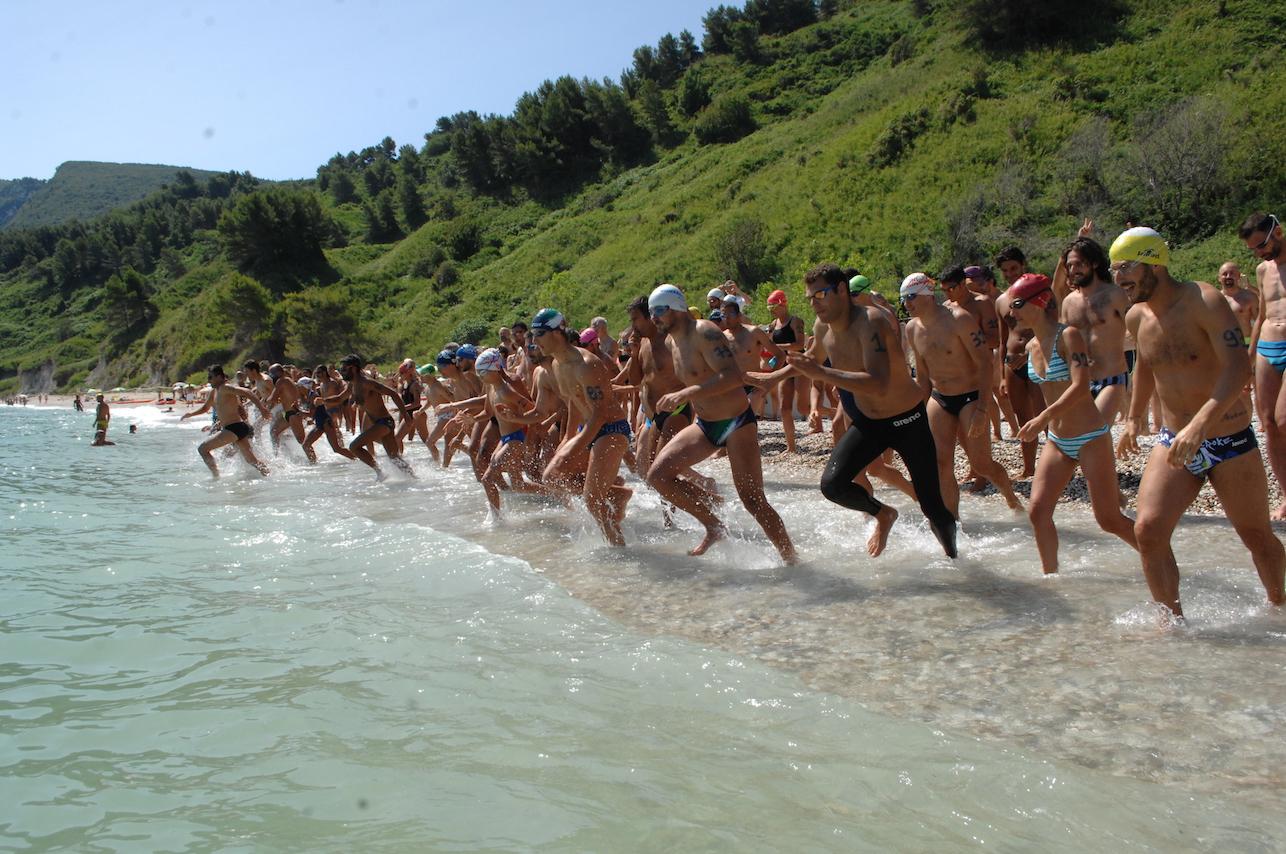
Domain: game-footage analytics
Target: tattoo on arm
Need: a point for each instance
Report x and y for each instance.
(723, 351)
(977, 338)
(593, 392)
(878, 343)
(1081, 360)
(1233, 338)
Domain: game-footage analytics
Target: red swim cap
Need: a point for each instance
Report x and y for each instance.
(1034, 288)
(777, 297)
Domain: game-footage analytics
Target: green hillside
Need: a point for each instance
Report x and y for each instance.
(890, 136)
(84, 190)
(13, 194)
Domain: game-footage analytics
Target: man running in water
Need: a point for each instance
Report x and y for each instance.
(886, 407)
(1190, 347)
(368, 394)
(1263, 236)
(285, 395)
(953, 367)
(325, 421)
(703, 359)
(225, 399)
(1092, 303)
(596, 450)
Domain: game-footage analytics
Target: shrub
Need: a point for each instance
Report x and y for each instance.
(728, 119)
(471, 331)
(898, 138)
(744, 254)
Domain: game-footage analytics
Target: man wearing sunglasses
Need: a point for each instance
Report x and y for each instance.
(1262, 233)
(705, 363)
(859, 350)
(1191, 351)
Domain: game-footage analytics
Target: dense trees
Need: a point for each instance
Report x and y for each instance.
(275, 232)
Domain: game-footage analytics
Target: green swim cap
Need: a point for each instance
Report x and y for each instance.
(859, 284)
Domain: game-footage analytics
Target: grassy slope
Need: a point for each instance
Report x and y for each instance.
(808, 179)
(83, 190)
(805, 175)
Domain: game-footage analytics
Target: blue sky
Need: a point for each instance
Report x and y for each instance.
(276, 88)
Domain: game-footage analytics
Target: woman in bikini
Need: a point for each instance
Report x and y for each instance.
(1058, 361)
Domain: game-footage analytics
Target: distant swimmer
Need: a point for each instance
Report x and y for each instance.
(102, 418)
(224, 399)
(1058, 362)
(589, 458)
(1262, 234)
(954, 368)
(713, 388)
(860, 351)
(77, 405)
(1190, 348)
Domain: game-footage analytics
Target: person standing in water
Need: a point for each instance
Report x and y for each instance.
(1058, 362)
(102, 418)
(713, 387)
(225, 399)
(1190, 349)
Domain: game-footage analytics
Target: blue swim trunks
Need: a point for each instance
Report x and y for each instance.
(616, 428)
(1274, 352)
(1214, 451)
(1097, 386)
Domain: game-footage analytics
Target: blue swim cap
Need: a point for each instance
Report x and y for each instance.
(467, 351)
(445, 358)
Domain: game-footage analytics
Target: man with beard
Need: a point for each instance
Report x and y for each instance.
(1091, 302)
(1191, 350)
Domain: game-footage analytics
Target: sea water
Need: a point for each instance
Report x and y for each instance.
(316, 661)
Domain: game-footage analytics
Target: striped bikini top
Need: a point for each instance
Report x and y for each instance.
(1056, 370)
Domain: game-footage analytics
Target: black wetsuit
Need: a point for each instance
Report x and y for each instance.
(866, 439)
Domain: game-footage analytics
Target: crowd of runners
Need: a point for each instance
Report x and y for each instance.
(1109, 337)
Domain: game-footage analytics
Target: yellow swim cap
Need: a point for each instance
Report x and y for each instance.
(1140, 244)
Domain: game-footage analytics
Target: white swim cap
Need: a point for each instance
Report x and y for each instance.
(715, 293)
(666, 297)
(916, 283)
(489, 360)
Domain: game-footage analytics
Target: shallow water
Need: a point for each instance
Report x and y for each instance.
(317, 661)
